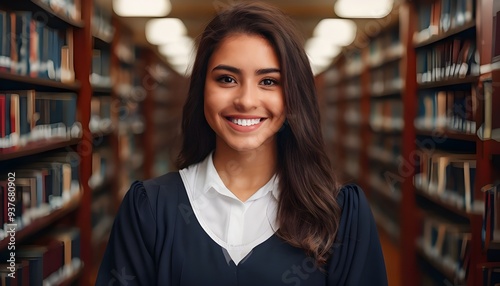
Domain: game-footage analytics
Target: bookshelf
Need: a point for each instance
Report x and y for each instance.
(41, 136)
(424, 87)
(80, 128)
(164, 105)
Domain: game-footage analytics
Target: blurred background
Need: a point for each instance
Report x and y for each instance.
(91, 96)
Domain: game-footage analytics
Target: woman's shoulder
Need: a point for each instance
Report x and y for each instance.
(151, 187)
(168, 179)
(158, 195)
(161, 187)
(355, 206)
(351, 195)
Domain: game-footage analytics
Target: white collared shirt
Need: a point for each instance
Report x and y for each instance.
(236, 226)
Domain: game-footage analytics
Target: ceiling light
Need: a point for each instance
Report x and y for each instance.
(321, 48)
(165, 30)
(180, 47)
(143, 8)
(181, 60)
(339, 32)
(320, 60)
(318, 65)
(183, 69)
(363, 8)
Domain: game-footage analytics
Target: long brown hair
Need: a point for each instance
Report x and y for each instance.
(308, 214)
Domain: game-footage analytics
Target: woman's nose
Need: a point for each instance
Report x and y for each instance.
(247, 97)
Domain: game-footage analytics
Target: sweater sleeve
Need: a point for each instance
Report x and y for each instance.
(357, 257)
(129, 255)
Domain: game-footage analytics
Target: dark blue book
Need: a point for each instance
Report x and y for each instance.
(23, 20)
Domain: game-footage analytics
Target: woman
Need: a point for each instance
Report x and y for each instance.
(254, 202)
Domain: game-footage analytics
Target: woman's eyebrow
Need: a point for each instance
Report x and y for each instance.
(266, 71)
(227, 68)
(238, 71)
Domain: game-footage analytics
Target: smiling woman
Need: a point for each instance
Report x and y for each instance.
(244, 102)
(254, 201)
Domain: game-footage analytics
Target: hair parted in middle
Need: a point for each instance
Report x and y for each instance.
(308, 213)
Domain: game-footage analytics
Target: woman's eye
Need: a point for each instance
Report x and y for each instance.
(226, 79)
(268, 81)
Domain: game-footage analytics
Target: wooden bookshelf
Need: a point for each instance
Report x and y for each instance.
(444, 205)
(44, 13)
(128, 65)
(447, 134)
(102, 90)
(10, 81)
(469, 27)
(40, 223)
(36, 148)
(413, 201)
(438, 265)
(449, 82)
(73, 277)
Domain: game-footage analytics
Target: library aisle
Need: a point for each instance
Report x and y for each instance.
(89, 103)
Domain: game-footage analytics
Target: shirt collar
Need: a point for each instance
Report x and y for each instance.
(208, 180)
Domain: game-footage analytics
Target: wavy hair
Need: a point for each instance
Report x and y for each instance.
(308, 213)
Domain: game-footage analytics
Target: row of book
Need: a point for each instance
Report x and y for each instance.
(330, 127)
(101, 67)
(490, 128)
(102, 217)
(102, 166)
(386, 79)
(100, 114)
(333, 94)
(437, 17)
(384, 48)
(352, 116)
(491, 215)
(67, 8)
(37, 189)
(101, 24)
(447, 244)
(353, 88)
(127, 85)
(354, 63)
(491, 274)
(385, 149)
(352, 156)
(454, 58)
(453, 110)
(496, 36)
(386, 219)
(31, 116)
(165, 119)
(125, 49)
(449, 177)
(386, 115)
(49, 260)
(30, 48)
(352, 139)
(385, 183)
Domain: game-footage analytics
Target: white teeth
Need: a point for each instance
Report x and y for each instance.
(245, 122)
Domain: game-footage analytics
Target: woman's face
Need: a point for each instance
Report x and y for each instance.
(244, 102)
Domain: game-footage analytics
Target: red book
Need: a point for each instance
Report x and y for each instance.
(3, 114)
(53, 258)
(5, 198)
(495, 102)
(496, 32)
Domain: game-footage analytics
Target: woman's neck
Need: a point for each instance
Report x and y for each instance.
(244, 173)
